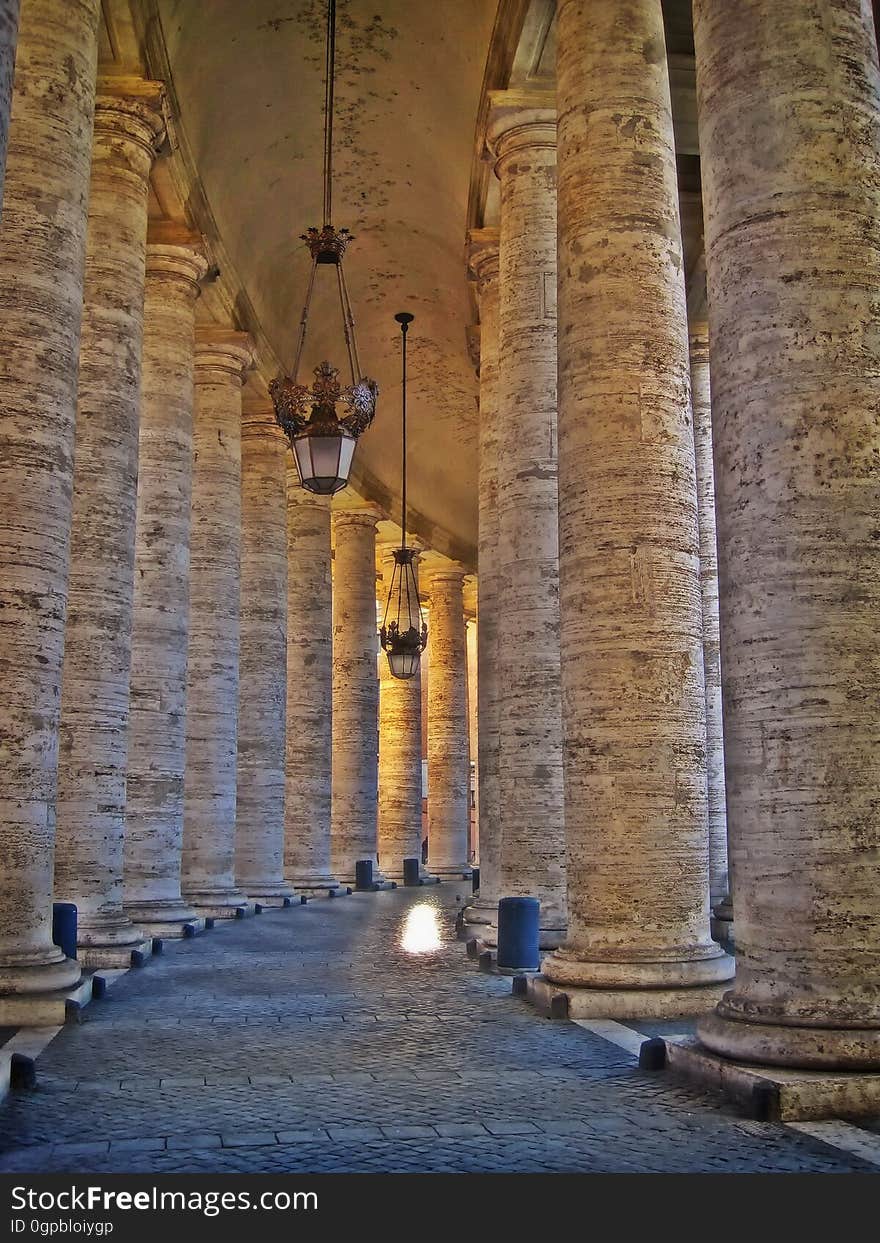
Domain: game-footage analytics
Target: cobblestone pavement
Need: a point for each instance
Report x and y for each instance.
(307, 1040)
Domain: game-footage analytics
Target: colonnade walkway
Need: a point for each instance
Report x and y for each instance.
(308, 1040)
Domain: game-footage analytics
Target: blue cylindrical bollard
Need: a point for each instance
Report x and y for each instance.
(363, 874)
(518, 934)
(64, 927)
(411, 872)
(475, 879)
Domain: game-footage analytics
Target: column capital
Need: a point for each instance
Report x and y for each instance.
(482, 256)
(222, 353)
(520, 122)
(131, 108)
(698, 336)
(449, 575)
(366, 515)
(177, 255)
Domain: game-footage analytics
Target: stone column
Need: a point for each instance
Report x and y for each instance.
(208, 859)
(631, 614)
(719, 886)
(8, 37)
(97, 644)
(157, 715)
(355, 692)
(522, 137)
(483, 262)
(42, 252)
(448, 758)
(259, 834)
(789, 104)
(471, 641)
(400, 752)
(307, 852)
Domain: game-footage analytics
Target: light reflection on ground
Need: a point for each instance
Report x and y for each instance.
(421, 929)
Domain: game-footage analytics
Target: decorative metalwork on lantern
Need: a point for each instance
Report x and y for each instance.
(322, 441)
(404, 635)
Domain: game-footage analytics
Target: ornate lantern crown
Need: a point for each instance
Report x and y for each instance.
(323, 443)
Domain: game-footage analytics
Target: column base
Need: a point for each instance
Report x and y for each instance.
(770, 1094)
(151, 917)
(94, 957)
(224, 910)
(464, 872)
(269, 894)
(317, 884)
(703, 963)
(111, 932)
(45, 1009)
(162, 931)
(557, 1002)
(787, 1045)
(42, 973)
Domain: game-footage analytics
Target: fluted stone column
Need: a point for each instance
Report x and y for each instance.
(719, 885)
(483, 262)
(522, 137)
(157, 715)
(355, 693)
(97, 645)
(448, 755)
(789, 104)
(631, 614)
(400, 753)
(9, 10)
(42, 253)
(259, 833)
(307, 852)
(209, 787)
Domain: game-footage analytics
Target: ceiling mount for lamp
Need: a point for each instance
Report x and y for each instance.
(404, 635)
(323, 441)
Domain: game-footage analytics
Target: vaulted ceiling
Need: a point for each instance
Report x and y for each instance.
(247, 82)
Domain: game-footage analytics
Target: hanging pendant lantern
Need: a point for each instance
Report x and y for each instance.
(404, 635)
(323, 441)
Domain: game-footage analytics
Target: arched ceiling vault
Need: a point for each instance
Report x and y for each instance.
(247, 81)
(245, 90)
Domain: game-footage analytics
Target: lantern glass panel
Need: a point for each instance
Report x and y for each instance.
(403, 665)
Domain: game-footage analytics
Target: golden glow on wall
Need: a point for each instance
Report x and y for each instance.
(421, 929)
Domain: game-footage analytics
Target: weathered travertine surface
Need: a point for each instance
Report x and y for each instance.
(522, 136)
(471, 640)
(701, 400)
(9, 10)
(483, 262)
(448, 752)
(631, 613)
(97, 642)
(42, 253)
(157, 715)
(259, 833)
(789, 128)
(309, 689)
(400, 753)
(355, 692)
(208, 858)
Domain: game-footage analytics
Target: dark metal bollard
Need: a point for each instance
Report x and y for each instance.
(363, 874)
(411, 874)
(64, 927)
(475, 880)
(518, 934)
